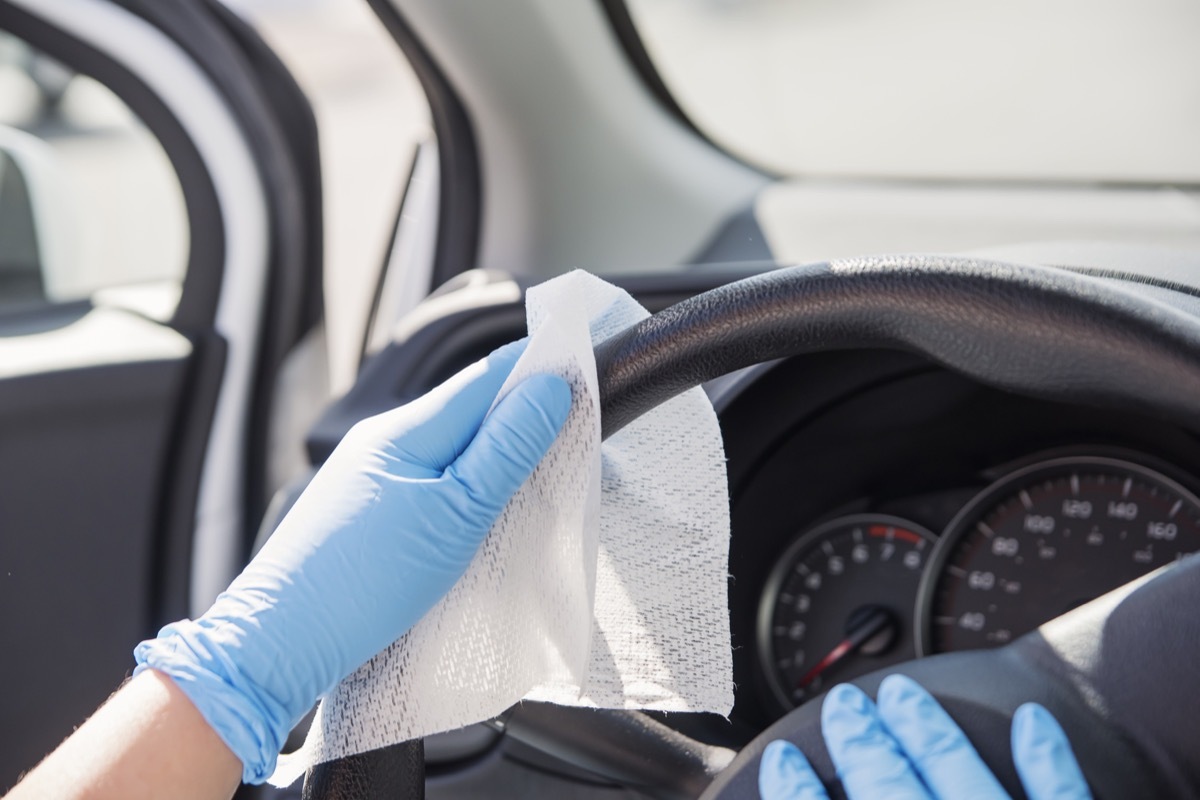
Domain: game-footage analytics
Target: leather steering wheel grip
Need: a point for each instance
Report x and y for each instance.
(396, 772)
(1041, 331)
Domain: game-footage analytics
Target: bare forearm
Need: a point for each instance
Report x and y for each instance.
(148, 741)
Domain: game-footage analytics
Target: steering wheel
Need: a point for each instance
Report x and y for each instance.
(1118, 673)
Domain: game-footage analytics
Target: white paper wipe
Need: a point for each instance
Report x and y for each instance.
(602, 584)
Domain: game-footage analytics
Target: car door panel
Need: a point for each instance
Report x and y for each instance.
(83, 458)
(131, 447)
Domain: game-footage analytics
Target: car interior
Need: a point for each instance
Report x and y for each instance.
(937, 270)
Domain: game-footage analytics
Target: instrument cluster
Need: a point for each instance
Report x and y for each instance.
(860, 592)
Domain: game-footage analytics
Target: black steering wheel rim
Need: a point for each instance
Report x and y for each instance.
(1041, 331)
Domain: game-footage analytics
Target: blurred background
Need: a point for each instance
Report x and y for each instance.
(131, 227)
(1108, 93)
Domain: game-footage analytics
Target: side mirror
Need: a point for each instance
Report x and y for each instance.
(37, 221)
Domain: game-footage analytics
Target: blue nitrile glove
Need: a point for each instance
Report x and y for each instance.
(908, 748)
(386, 527)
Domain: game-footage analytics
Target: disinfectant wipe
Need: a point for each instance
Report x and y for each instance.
(602, 584)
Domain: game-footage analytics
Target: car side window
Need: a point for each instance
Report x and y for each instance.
(89, 201)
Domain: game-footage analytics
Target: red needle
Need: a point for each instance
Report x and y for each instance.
(873, 624)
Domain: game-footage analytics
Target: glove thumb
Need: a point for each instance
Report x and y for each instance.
(512, 441)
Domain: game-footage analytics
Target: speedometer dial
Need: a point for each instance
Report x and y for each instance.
(840, 604)
(1047, 539)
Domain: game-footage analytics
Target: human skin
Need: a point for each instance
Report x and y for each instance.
(148, 736)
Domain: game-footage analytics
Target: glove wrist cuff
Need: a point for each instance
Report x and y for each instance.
(252, 725)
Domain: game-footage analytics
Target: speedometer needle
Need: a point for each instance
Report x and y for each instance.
(872, 624)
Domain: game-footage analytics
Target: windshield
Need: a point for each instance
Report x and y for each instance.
(1075, 90)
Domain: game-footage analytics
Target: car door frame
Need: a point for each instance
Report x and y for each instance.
(242, 140)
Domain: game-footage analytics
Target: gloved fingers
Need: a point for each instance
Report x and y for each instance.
(938, 749)
(1043, 757)
(785, 774)
(869, 761)
(429, 433)
(511, 442)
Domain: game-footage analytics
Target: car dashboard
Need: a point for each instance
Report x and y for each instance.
(883, 507)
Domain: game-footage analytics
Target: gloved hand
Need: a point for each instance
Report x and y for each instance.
(386, 527)
(908, 748)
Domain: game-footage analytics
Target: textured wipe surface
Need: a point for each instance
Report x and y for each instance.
(603, 583)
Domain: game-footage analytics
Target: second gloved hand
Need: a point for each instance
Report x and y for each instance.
(908, 748)
(387, 526)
